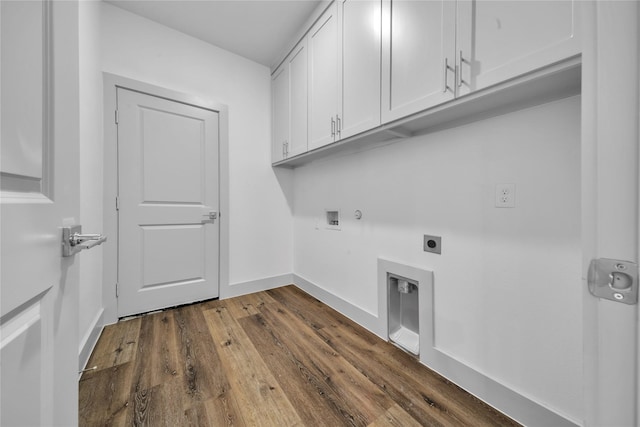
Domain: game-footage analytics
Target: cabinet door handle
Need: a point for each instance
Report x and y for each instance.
(286, 145)
(338, 124)
(284, 152)
(445, 77)
(459, 73)
(333, 128)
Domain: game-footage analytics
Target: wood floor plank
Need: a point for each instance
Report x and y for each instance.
(248, 305)
(239, 308)
(302, 304)
(275, 358)
(399, 374)
(203, 375)
(220, 411)
(117, 345)
(160, 405)
(156, 359)
(212, 304)
(104, 396)
(395, 417)
(419, 391)
(315, 401)
(432, 403)
(359, 401)
(259, 394)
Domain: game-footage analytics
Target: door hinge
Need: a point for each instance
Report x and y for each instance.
(116, 289)
(117, 117)
(117, 203)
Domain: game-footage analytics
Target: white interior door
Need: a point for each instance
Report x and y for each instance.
(168, 237)
(610, 156)
(39, 195)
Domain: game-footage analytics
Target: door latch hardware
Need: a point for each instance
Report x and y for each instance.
(73, 241)
(210, 216)
(614, 280)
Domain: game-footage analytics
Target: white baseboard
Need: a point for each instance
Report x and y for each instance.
(90, 339)
(508, 401)
(243, 288)
(358, 315)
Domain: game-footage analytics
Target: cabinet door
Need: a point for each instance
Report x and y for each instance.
(323, 79)
(280, 112)
(298, 98)
(418, 44)
(361, 42)
(500, 40)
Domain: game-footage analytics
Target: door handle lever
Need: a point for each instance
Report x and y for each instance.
(78, 239)
(73, 241)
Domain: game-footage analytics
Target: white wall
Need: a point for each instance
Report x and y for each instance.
(508, 282)
(261, 232)
(91, 162)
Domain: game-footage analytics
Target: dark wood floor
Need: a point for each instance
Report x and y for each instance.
(275, 358)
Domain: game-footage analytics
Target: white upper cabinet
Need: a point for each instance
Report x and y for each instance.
(364, 63)
(324, 85)
(344, 71)
(498, 40)
(298, 98)
(280, 112)
(418, 69)
(361, 39)
(434, 51)
(289, 105)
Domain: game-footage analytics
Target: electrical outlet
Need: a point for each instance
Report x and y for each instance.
(432, 244)
(505, 195)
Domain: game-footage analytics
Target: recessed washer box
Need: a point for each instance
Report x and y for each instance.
(332, 219)
(403, 313)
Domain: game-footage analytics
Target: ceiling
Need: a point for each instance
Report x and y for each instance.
(255, 29)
